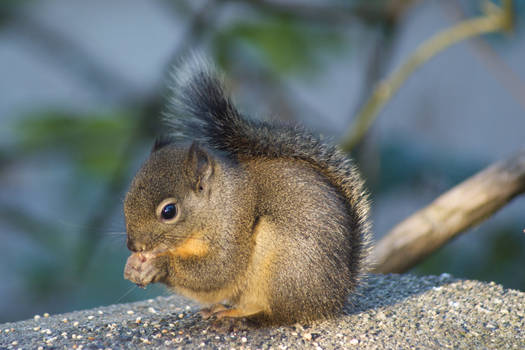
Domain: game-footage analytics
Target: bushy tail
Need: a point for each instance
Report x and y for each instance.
(202, 110)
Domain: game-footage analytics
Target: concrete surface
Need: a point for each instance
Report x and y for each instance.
(393, 311)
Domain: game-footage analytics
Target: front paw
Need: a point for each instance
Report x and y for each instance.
(143, 269)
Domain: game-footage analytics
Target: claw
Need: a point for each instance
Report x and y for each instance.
(205, 313)
(208, 312)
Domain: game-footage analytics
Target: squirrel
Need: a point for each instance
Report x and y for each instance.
(253, 219)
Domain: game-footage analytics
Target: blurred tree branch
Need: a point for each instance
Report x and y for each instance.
(379, 57)
(495, 19)
(493, 61)
(462, 207)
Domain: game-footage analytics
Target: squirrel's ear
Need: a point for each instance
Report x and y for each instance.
(200, 165)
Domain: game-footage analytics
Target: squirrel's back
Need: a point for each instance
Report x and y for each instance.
(201, 110)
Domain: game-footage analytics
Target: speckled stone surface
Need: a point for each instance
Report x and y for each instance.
(391, 312)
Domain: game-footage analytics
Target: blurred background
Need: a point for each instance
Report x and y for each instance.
(83, 85)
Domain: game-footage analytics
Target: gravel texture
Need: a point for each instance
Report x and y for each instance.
(392, 311)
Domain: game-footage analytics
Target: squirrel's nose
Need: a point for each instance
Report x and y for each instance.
(134, 246)
(131, 245)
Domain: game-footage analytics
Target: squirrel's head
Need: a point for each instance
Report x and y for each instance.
(167, 196)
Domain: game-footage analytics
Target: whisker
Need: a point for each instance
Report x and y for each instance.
(76, 226)
(126, 294)
(115, 233)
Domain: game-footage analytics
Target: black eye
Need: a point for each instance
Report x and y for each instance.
(169, 211)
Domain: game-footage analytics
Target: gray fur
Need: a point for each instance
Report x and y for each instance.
(200, 109)
(273, 221)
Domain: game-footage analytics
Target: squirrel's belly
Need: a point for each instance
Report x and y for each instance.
(250, 290)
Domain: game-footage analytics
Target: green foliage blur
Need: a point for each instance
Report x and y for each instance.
(74, 266)
(93, 144)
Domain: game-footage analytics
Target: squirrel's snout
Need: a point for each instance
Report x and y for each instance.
(134, 246)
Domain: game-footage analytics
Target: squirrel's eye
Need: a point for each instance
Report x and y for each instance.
(167, 211)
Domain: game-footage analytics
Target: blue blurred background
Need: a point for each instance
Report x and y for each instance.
(83, 84)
